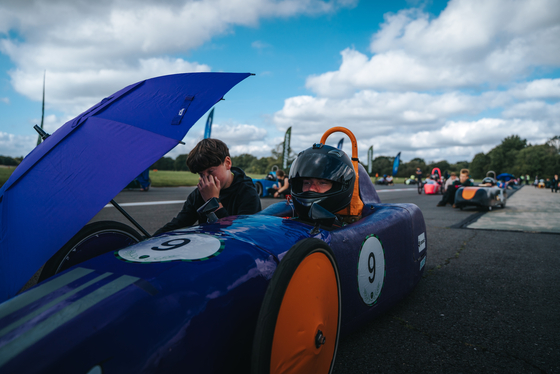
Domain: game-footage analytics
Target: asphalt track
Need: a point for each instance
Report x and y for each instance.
(489, 301)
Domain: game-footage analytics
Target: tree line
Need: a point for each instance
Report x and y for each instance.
(517, 157)
(513, 155)
(9, 161)
(249, 163)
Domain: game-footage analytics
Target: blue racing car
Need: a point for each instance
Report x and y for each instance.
(264, 184)
(264, 293)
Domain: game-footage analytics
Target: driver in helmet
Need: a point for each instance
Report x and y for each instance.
(322, 175)
(488, 182)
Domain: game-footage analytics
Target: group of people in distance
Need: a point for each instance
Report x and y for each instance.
(452, 185)
(320, 174)
(555, 184)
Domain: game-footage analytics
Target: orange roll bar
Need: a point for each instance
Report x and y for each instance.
(356, 205)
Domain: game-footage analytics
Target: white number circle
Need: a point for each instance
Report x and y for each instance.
(371, 270)
(192, 247)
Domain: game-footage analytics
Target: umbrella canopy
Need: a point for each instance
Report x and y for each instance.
(505, 177)
(67, 179)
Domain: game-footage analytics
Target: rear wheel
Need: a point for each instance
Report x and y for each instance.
(420, 187)
(92, 240)
(299, 321)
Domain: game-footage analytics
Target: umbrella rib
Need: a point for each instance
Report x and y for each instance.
(129, 217)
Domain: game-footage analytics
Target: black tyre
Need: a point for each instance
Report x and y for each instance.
(92, 240)
(259, 189)
(299, 321)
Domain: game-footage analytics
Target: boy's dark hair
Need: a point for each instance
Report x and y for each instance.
(207, 153)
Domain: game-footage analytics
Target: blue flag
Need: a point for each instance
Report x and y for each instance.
(209, 121)
(340, 144)
(396, 164)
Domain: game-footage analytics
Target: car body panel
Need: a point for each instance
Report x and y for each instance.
(480, 196)
(431, 187)
(164, 316)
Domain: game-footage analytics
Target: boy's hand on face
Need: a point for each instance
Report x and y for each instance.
(209, 187)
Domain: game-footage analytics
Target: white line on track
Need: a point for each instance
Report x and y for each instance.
(182, 201)
(397, 189)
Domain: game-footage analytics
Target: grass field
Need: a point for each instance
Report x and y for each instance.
(165, 178)
(5, 172)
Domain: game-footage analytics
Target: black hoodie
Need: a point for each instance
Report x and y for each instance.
(239, 198)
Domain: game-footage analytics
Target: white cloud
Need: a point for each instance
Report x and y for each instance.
(375, 112)
(472, 42)
(76, 91)
(538, 89)
(238, 134)
(92, 49)
(240, 138)
(443, 87)
(16, 145)
(5, 100)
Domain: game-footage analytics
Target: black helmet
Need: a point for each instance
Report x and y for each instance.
(322, 162)
(489, 180)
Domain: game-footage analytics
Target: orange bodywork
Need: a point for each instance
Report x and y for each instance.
(469, 192)
(309, 305)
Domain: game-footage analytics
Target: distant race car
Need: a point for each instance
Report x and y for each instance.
(434, 185)
(485, 196)
(431, 187)
(264, 184)
(261, 293)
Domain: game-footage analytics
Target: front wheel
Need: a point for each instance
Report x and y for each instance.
(259, 188)
(92, 240)
(299, 321)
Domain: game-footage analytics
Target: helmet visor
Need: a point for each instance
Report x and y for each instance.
(322, 166)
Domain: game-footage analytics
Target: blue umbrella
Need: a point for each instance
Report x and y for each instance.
(67, 179)
(505, 176)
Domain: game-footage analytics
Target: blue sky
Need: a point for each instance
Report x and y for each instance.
(431, 79)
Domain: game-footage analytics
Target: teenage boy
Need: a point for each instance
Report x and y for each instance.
(218, 178)
(449, 195)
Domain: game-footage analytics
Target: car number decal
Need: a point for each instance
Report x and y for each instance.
(187, 247)
(371, 269)
(421, 242)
